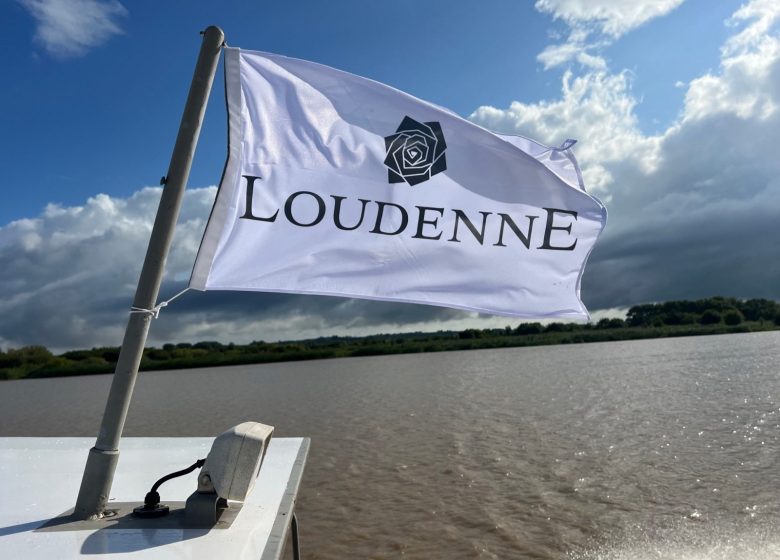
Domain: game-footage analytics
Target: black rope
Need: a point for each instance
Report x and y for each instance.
(153, 498)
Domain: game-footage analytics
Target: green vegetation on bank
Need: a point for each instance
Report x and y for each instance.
(716, 315)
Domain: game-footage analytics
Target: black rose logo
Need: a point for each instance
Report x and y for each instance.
(415, 153)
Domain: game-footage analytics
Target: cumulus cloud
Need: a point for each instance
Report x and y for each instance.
(595, 24)
(64, 273)
(611, 17)
(597, 108)
(67, 280)
(692, 214)
(747, 84)
(71, 27)
(691, 209)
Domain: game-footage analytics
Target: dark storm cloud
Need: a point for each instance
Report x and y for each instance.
(703, 224)
(692, 211)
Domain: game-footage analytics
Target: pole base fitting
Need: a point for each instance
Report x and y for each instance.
(150, 511)
(152, 507)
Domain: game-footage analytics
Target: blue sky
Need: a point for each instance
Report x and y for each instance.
(94, 90)
(104, 120)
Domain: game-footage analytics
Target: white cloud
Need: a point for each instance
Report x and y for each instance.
(612, 313)
(748, 81)
(63, 274)
(557, 55)
(691, 209)
(693, 213)
(596, 108)
(611, 17)
(67, 280)
(71, 27)
(605, 19)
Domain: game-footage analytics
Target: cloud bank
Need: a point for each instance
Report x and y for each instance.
(692, 210)
(67, 280)
(67, 28)
(693, 213)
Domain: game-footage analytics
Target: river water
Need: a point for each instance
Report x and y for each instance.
(655, 449)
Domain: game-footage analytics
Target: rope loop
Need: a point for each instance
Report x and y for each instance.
(154, 312)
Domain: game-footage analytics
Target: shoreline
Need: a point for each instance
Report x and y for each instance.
(214, 354)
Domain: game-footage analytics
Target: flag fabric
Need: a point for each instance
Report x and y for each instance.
(339, 185)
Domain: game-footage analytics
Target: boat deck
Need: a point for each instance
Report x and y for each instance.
(41, 477)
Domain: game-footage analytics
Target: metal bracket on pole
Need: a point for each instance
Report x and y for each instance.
(103, 458)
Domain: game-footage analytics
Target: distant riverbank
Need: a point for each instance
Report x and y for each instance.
(671, 319)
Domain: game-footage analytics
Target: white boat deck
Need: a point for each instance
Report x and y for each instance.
(41, 477)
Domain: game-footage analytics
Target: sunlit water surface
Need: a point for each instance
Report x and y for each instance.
(658, 449)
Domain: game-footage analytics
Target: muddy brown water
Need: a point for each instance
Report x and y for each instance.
(634, 450)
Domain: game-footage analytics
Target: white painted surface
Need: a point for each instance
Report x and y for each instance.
(40, 477)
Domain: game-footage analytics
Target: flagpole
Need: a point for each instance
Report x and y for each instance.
(103, 458)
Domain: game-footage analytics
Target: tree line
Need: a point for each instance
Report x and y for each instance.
(674, 318)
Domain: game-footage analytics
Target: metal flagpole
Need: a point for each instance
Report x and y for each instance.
(103, 458)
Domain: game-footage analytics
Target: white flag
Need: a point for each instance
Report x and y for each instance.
(339, 185)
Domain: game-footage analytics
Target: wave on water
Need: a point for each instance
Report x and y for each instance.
(690, 542)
